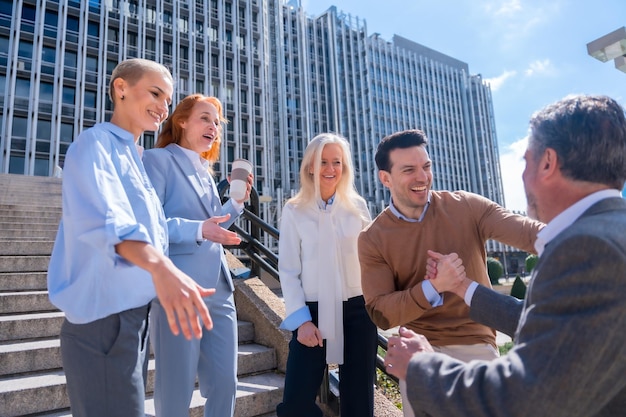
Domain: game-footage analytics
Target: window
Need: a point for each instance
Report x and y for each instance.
(67, 133)
(71, 59)
(69, 95)
(25, 50)
(93, 29)
(48, 54)
(150, 44)
(44, 127)
(22, 87)
(46, 91)
(199, 56)
(6, 8)
(72, 24)
(20, 125)
(200, 86)
(90, 98)
(91, 63)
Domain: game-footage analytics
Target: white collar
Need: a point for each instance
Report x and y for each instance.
(568, 216)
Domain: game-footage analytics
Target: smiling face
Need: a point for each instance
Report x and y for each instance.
(331, 169)
(409, 179)
(201, 128)
(143, 106)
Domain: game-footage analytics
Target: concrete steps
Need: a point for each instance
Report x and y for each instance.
(32, 381)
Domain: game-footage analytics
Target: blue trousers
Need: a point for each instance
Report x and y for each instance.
(104, 364)
(305, 368)
(213, 359)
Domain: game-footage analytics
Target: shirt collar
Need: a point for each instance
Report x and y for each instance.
(120, 132)
(201, 164)
(399, 215)
(325, 205)
(569, 216)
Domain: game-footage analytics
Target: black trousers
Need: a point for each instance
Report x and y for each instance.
(305, 368)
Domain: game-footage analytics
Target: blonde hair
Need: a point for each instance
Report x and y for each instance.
(309, 192)
(172, 132)
(131, 71)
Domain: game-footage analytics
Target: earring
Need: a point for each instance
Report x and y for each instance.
(122, 97)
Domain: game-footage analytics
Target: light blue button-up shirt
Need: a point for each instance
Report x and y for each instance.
(434, 298)
(107, 198)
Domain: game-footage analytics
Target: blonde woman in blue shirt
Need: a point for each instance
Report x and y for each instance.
(108, 260)
(321, 283)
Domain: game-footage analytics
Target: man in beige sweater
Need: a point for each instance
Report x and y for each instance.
(393, 250)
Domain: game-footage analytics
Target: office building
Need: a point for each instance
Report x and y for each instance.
(284, 76)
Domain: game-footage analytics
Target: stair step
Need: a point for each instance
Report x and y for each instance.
(23, 263)
(26, 247)
(10, 234)
(256, 395)
(45, 354)
(35, 226)
(30, 326)
(10, 215)
(13, 281)
(25, 302)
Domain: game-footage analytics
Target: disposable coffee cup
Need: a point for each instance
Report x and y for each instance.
(239, 178)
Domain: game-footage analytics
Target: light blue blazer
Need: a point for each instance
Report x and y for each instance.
(180, 189)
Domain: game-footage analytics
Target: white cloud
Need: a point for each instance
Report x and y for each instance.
(498, 81)
(508, 8)
(539, 68)
(512, 165)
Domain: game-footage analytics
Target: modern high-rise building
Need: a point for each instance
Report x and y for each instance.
(284, 76)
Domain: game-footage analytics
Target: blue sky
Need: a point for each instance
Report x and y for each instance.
(532, 52)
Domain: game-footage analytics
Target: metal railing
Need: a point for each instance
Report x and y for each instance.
(262, 258)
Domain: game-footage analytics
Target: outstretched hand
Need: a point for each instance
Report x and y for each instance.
(211, 230)
(400, 350)
(181, 298)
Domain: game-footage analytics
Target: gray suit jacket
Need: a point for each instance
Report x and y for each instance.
(187, 203)
(569, 354)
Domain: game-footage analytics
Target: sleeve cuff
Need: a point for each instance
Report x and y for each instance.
(199, 237)
(434, 298)
(236, 205)
(470, 293)
(296, 319)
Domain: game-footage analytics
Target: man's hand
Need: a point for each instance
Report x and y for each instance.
(446, 273)
(400, 350)
(309, 335)
(211, 230)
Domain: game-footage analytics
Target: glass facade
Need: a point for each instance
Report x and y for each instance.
(283, 76)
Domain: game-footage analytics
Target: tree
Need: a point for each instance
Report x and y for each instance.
(494, 270)
(531, 261)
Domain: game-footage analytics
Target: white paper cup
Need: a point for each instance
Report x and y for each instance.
(239, 178)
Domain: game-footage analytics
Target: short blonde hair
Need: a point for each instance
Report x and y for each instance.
(131, 71)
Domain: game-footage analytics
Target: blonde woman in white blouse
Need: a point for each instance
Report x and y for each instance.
(321, 282)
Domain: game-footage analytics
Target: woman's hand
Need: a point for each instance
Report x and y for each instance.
(309, 335)
(248, 188)
(211, 230)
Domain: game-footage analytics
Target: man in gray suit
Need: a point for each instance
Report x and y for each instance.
(569, 353)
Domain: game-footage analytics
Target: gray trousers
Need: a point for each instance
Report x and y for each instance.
(104, 363)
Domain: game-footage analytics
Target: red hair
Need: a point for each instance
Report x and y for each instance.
(172, 131)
